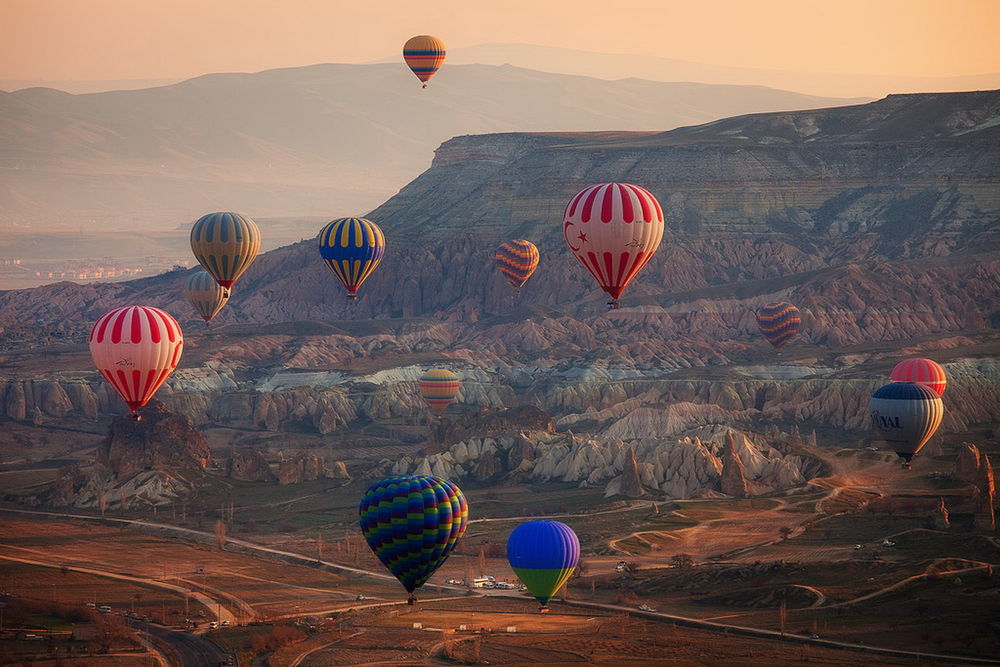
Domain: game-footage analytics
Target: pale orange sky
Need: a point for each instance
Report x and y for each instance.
(123, 39)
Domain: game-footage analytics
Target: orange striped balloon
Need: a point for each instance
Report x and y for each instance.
(517, 260)
(136, 348)
(779, 322)
(924, 371)
(439, 387)
(424, 54)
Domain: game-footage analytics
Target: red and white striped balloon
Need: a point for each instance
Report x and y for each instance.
(923, 371)
(136, 348)
(613, 229)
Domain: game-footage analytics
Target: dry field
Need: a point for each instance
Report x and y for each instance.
(565, 636)
(245, 586)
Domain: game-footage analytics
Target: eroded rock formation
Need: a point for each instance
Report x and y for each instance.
(985, 516)
(678, 468)
(733, 481)
(162, 440)
(250, 466)
(302, 468)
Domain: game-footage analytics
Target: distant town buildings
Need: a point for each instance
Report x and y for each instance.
(41, 270)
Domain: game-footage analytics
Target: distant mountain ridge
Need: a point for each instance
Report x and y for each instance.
(653, 68)
(324, 140)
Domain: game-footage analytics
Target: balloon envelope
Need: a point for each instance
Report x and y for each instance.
(424, 54)
(906, 415)
(779, 322)
(351, 248)
(924, 371)
(412, 523)
(543, 554)
(439, 387)
(517, 260)
(613, 229)
(205, 295)
(136, 348)
(225, 245)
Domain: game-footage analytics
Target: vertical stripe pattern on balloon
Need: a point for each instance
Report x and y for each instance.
(924, 371)
(905, 415)
(352, 249)
(205, 295)
(613, 229)
(136, 348)
(779, 322)
(225, 244)
(517, 260)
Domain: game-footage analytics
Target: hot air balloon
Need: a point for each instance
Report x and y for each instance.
(413, 523)
(205, 295)
(517, 260)
(613, 229)
(906, 415)
(351, 248)
(779, 322)
(424, 54)
(136, 348)
(924, 371)
(439, 387)
(543, 554)
(225, 245)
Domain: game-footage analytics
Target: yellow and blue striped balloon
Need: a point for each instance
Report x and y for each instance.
(352, 248)
(205, 295)
(225, 244)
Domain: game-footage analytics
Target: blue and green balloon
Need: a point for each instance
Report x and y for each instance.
(543, 554)
(412, 523)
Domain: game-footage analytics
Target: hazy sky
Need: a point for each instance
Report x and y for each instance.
(121, 39)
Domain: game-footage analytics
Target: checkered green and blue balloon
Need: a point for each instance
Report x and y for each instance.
(412, 523)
